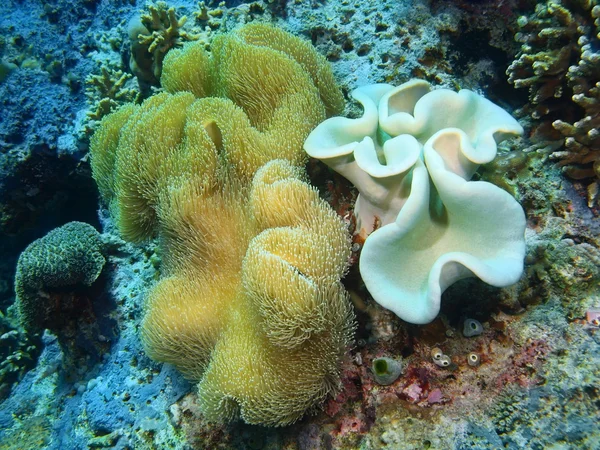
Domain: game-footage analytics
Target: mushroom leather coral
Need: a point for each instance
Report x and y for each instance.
(250, 304)
(411, 156)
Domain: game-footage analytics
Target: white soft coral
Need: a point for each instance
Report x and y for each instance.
(411, 156)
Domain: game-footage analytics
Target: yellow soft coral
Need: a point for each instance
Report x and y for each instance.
(241, 68)
(250, 304)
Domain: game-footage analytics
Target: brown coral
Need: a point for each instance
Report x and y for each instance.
(581, 156)
(107, 91)
(563, 95)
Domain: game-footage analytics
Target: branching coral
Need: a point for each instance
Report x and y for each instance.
(250, 304)
(559, 63)
(107, 91)
(152, 36)
(581, 157)
(549, 40)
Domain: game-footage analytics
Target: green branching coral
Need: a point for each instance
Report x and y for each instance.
(559, 63)
(581, 156)
(549, 43)
(152, 36)
(66, 256)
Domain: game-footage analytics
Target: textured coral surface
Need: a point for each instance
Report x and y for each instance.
(65, 257)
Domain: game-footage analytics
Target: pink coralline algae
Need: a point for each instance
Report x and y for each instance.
(350, 392)
(525, 364)
(593, 316)
(352, 425)
(435, 396)
(413, 392)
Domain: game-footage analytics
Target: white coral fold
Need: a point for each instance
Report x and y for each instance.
(411, 156)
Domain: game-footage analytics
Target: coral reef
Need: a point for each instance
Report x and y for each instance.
(66, 256)
(459, 44)
(559, 65)
(218, 182)
(43, 183)
(538, 358)
(120, 399)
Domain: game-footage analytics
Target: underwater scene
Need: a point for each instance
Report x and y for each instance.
(300, 225)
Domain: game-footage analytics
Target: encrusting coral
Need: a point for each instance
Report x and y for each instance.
(250, 304)
(559, 63)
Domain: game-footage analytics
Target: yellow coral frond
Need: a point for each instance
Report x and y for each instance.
(279, 198)
(180, 326)
(188, 69)
(246, 76)
(250, 303)
(280, 384)
(266, 35)
(103, 150)
(286, 286)
(141, 169)
(204, 233)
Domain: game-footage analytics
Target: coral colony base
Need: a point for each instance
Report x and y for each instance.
(290, 225)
